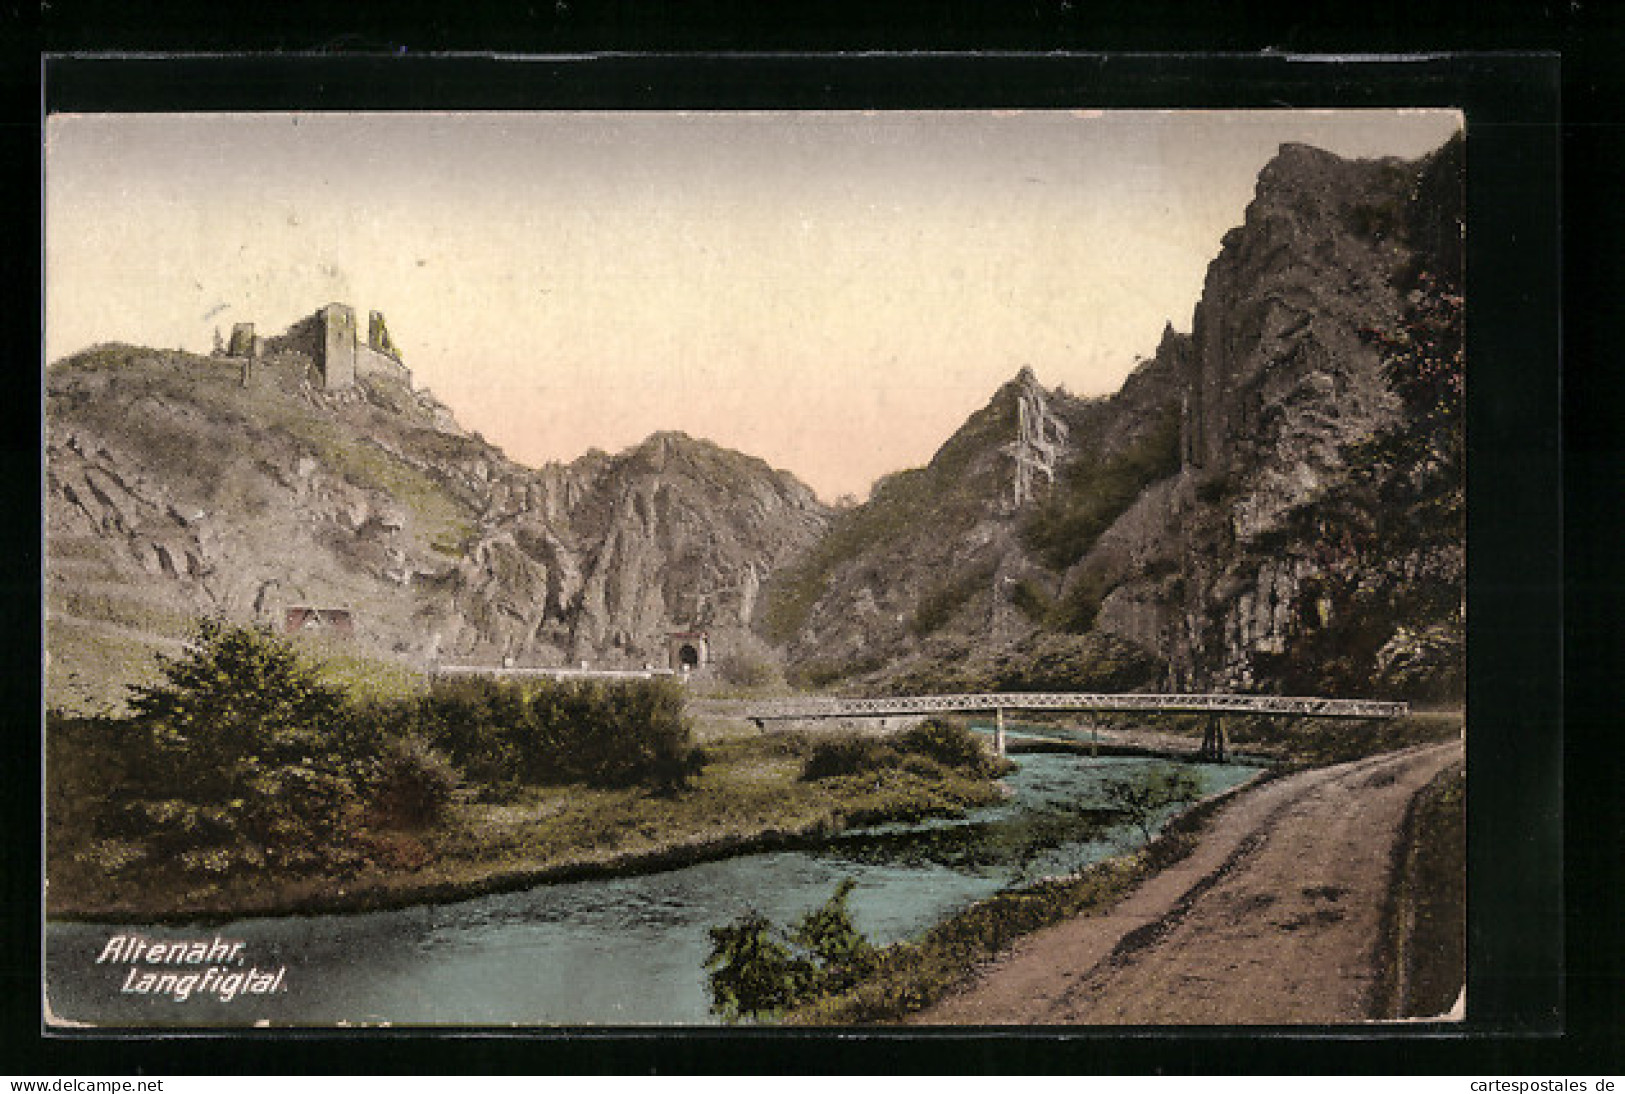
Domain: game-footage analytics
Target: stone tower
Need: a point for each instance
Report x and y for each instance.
(242, 340)
(378, 335)
(337, 346)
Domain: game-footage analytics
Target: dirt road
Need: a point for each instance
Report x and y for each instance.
(1274, 918)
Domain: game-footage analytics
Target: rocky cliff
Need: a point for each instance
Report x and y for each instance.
(179, 485)
(1237, 516)
(1291, 389)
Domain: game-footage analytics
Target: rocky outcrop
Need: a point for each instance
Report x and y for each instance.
(1219, 515)
(1184, 514)
(173, 490)
(1040, 443)
(1284, 380)
(936, 553)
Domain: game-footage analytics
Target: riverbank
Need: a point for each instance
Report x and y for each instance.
(910, 977)
(1272, 919)
(913, 977)
(749, 797)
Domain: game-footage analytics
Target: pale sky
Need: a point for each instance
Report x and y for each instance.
(832, 292)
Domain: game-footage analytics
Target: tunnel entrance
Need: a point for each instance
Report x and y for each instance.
(688, 651)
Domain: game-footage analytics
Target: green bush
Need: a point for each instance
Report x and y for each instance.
(949, 744)
(233, 752)
(848, 754)
(757, 970)
(1140, 798)
(413, 785)
(549, 732)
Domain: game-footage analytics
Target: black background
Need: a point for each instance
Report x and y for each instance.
(1532, 729)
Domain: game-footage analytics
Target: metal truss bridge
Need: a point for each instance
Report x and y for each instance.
(828, 707)
(762, 711)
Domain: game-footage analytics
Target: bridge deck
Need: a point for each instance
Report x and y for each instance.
(820, 707)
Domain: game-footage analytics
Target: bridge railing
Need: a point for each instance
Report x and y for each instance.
(828, 707)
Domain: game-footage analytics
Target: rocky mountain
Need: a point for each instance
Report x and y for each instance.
(180, 485)
(1271, 501)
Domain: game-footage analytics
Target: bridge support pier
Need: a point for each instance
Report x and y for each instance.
(998, 731)
(1213, 740)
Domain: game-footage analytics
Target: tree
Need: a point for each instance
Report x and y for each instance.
(753, 973)
(758, 970)
(245, 748)
(1141, 797)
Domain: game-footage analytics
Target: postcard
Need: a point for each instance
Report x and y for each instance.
(553, 569)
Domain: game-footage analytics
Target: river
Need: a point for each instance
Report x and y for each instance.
(615, 951)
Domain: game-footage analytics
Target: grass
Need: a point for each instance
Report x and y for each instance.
(121, 660)
(124, 608)
(749, 795)
(363, 678)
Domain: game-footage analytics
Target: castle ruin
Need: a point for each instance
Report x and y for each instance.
(331, 340)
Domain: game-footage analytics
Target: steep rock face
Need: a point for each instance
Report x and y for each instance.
(936, 553)
(1040, 444)
(686, 531)
(176, 488)
(1221, 571)
(1283, 378)
(1186, 515)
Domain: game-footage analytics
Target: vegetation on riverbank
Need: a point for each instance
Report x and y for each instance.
(245, 783)
(912, 975)
(909, 976)
(1319, 742)
(1294, 742)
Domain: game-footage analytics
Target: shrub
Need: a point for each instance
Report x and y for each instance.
(550, 732)
(839, 950)
(234, 748)
(948, 744)
(753, 974)
(1141, 797)
(478, 723)
(850, 754)
(414, 784)
(758, 970)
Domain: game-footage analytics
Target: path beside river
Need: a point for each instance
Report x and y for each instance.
(1274, 918)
